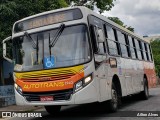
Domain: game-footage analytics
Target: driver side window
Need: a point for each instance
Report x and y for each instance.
(98, 40)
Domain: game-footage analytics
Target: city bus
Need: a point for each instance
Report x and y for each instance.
(73, 56)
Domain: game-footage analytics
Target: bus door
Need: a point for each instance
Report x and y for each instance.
(99, 48)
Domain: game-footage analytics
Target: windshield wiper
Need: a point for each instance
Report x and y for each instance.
(55, 38)
(34, 45)
(57, 35)
(37, 50)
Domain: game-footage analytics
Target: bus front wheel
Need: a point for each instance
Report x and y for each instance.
(53, 110)
(113, 103)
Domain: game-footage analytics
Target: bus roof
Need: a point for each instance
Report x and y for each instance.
(86, 11)
(104, 18)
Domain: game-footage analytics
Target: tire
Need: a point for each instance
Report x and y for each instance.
(145, 93)
(113, 103)
(53, 110)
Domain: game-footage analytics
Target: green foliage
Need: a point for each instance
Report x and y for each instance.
(130, 29)
(156, 54)
(13, 10)
(101, 4)
(118, 21)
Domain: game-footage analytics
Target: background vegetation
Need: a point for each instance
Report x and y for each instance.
(155, 45)
(13, 10)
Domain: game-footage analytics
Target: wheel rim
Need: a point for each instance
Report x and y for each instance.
(114, 98)
(146, 90)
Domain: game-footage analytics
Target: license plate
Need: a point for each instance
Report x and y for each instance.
(46, 98)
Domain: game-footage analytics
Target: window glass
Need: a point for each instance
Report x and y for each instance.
(149, 54)
(101, 48)
(139, 54)
(133, 53)
(143, 48)
(148, 50)
(100, 37)
(123, 44)
(130, 41)
(113, 48)
(112, 43)
(110, 33)
(136, 44)
(121, 38)
(140, 46)
(124, 50)
(144, 54)
(71, 48)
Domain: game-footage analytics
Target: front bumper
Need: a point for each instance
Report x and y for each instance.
(88, 94)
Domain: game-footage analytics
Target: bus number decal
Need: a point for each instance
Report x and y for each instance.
(47, 85)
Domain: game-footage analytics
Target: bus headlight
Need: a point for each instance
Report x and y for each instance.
(18, 88)
(87, 79)
(78, 85)
(82, 83)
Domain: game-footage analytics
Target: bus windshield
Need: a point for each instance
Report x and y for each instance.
(71, 48)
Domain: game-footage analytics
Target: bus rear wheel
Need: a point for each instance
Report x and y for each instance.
(145, 93)
(53, 110)
(113, 103)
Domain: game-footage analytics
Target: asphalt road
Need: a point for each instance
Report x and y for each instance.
(130, 108)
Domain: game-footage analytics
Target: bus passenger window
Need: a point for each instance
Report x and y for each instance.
(145, 45)
(123, 44)
(132, 49)
(141, 49)
(100, 41)
(138, 49)
(149, 52)
(93, 38)
(133, 40)
(112, 42)
(144, 51)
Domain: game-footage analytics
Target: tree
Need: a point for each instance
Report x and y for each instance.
(118, 21)
(13, 10)
(101, 4)
(156, 54)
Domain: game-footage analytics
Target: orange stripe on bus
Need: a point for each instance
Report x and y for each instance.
(50, 85)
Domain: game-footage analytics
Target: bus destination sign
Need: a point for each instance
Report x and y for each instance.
(48, 19)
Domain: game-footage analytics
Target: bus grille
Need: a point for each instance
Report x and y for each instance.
(47, 76)
(57, 95)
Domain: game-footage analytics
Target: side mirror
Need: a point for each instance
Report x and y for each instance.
(5, 49)
(100, 36)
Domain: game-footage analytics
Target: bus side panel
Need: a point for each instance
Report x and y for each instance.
(140, 75)
(121, 71)
(130, 76)
(104, 82)
(150, 73)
